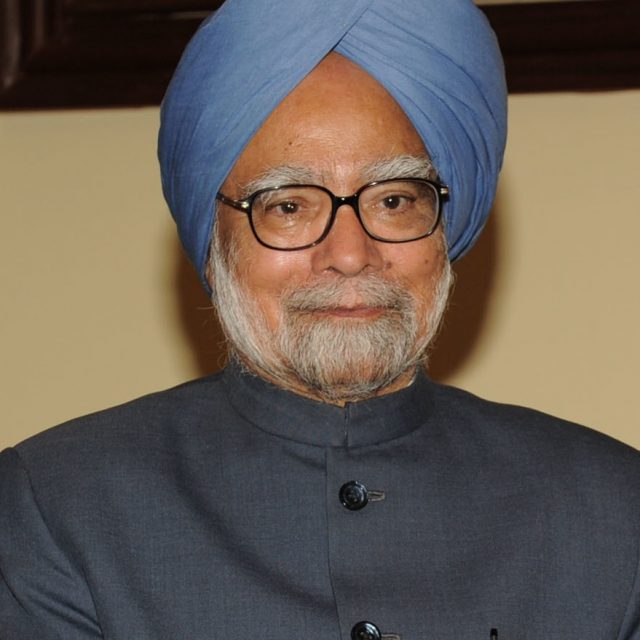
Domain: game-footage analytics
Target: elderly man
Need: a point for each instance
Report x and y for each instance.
(324, 162)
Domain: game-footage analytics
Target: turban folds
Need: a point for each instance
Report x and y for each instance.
(438, 58)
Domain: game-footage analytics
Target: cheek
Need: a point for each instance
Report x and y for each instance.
(419, 269)
(416, 266)
(267, 274)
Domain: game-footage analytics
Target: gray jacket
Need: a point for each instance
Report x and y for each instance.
(215, 511)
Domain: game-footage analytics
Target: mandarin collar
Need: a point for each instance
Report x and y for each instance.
(292, 416)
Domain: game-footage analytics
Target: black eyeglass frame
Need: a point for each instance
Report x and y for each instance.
(245, 205)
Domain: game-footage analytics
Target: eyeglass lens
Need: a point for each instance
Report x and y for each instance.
(396, 211)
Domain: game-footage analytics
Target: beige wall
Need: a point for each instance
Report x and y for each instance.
(99, 306)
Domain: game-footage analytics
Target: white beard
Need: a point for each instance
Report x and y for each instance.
(333, 359)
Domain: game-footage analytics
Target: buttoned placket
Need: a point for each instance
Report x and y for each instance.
(356, 491)
(353, 509)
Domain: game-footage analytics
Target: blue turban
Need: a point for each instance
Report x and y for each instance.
(438, 58)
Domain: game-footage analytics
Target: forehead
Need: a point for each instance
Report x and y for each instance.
(337, 121)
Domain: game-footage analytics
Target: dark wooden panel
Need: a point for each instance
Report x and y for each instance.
(99, 53)
(587, 45)
(77, 53)
(137, 6)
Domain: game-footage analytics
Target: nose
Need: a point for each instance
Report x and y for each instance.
(347, 249)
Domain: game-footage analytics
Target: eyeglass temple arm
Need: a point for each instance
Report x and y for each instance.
(240, 205)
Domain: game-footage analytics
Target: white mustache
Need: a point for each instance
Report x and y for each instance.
(370, 291)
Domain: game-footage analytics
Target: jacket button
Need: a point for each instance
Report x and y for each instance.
(365, 631)
(353, 495)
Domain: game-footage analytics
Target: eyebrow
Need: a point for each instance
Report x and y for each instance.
(277, 176)
(400, 166)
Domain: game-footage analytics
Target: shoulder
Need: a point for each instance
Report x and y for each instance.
(556, 453)
(518, 423)
(115, 444)
(123, 455)
(148, 418)
(521, 429)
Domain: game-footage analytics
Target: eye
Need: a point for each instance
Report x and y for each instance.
(395, 201)
(286, 207)
(281, 206)
(289, 205)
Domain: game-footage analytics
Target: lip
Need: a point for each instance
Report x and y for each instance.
(363, 312)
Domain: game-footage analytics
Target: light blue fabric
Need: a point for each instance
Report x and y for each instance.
(438, 58)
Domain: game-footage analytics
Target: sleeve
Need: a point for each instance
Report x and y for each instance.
(630, 628)
(42, 594)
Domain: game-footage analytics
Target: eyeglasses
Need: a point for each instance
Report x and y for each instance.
(298, 216)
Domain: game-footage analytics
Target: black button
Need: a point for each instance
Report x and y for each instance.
(353, 495)
(365, 631)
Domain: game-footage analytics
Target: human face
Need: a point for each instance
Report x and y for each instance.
(337, 128)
